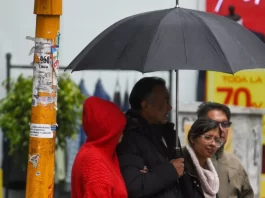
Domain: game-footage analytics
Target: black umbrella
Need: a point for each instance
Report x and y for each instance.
(173, 39)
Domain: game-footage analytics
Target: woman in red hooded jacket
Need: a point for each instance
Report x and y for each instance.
(96, 171)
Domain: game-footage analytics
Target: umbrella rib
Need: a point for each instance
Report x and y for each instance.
(216, 43)
(184, 38)
(213, 41)
(94, 42)
(226, 62)
(243, 49)
(153, 36)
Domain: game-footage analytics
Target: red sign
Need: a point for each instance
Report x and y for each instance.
(251, 11)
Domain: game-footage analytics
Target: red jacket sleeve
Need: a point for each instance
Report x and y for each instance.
(98, 191)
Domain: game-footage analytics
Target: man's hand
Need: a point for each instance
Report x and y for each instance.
(179, 165)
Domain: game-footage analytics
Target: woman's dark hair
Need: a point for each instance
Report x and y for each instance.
(201, 126)
(143, 89)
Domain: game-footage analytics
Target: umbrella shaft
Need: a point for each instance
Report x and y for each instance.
(177, 101)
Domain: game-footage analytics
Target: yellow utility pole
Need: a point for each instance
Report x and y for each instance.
(41, 159)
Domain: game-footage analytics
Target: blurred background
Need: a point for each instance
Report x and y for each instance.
(82, 21)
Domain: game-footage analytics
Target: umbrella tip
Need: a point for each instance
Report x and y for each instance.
(177, 4)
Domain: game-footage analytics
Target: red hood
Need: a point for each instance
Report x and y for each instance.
(103, 123)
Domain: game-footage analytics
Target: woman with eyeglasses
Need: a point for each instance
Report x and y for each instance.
(234, 180)
(203, 141)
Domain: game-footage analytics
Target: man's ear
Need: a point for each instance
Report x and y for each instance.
(144, 105)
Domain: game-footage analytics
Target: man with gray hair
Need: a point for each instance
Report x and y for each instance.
(147, 163)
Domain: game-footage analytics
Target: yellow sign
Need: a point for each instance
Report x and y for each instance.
(245, 88)
(187, 126)
(262, 190)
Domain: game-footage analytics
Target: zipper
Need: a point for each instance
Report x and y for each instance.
(217, 168)
(198, 180)
(193, 175)
(228, 185)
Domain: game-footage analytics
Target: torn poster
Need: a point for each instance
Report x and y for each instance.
(43, 69)
(53, 127)
(44, 100)
(34, 159)
(41, 131)
(55, 58)
(43, 81)
(46, 68)
(47, 53)
(41, 45)
(55, 65)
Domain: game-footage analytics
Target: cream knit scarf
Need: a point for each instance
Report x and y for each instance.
(208, 178)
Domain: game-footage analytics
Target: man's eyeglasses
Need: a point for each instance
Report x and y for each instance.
(218, 141)
(225, 124)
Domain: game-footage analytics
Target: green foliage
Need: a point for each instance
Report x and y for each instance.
(70, 106)
(15, 112)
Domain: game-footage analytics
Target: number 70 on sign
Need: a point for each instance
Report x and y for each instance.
(233, 96)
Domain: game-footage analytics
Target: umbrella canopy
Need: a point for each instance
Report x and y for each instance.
(173, 39)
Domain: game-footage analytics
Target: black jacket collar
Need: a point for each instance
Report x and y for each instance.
(137, 124)
(135, 120)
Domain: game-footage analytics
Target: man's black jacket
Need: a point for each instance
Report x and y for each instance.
(142, 146)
